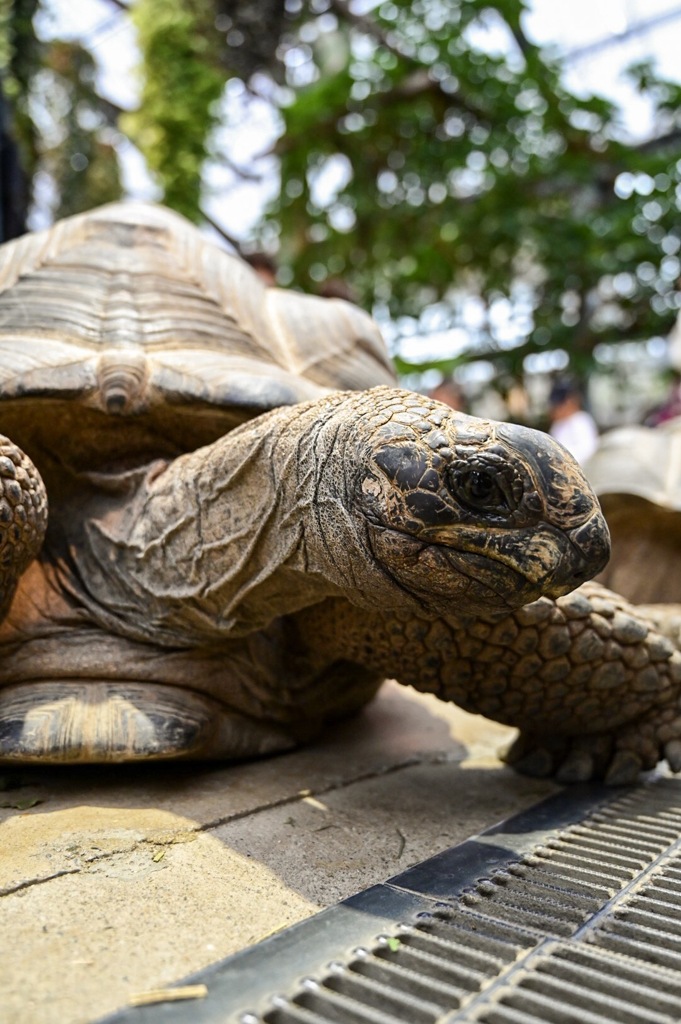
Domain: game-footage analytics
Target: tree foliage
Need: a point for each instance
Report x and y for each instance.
(182, 85)
(62, 128)
(465, 170)
(418, 163)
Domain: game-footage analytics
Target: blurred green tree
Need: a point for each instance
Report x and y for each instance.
(460, 171)
(417, 164)
(59, 131)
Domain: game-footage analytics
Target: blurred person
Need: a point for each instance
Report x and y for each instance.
(264, 266)
(518, 403)
(571, 425)
(671, 407)
(337, 288)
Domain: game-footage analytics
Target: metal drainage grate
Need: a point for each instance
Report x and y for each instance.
(568, 913)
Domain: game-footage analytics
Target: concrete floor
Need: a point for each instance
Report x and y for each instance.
(121, 880)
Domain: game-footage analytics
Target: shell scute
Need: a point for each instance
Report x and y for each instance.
(128, 308)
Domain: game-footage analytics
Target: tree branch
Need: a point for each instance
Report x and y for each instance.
(421, 81)
(239, 171)
(230, 239)
(521, 39)
(659, 142)
(367, 25)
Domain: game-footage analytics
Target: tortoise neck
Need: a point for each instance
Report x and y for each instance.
(225, 539)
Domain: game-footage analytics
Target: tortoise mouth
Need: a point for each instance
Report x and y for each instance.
(491, 584)
(88, 721)
(448, 580)
(473, 576)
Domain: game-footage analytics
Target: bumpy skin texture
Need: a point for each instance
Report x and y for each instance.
(594, 687)
(23, 517)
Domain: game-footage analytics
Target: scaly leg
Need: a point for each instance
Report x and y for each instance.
(23, 517)
(593, 686)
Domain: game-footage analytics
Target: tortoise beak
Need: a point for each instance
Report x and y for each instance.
(588, 555)
(571, 506)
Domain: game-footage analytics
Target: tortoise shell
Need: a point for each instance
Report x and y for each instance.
(636, 473)
(127, 332)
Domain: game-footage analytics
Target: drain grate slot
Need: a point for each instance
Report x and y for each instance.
(643, 944)
(450, 971)
(567, 914)
(464, 926)
(398, 1003)
(573, 983)
(430, 991)
(420, 939)
(337, 1007)
(564, 1007)
(637, 990)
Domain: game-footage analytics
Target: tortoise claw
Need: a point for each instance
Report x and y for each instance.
(539, 763)
(624, 768)
(582, 759)
(516, 749)
(578, 766)
(672, 753)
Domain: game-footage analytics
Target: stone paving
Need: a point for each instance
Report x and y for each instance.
(121, 880)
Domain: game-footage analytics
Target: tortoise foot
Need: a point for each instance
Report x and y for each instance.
(571, 759)
(615, 757)
(92, 722)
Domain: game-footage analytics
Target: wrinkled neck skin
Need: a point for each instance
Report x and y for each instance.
(223, 540)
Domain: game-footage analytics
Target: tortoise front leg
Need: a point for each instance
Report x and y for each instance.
(23, 517)
(593, 686)
(652, 734)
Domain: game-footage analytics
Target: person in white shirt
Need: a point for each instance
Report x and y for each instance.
(570, 424)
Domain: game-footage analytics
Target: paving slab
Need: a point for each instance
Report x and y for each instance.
(120, 880)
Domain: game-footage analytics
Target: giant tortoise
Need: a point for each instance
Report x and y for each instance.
(251, 525)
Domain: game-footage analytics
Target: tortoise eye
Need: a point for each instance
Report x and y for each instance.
(478, 490)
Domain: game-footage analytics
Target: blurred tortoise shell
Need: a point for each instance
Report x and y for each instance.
(636, 473)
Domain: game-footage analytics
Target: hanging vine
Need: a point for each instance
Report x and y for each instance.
(182, 86)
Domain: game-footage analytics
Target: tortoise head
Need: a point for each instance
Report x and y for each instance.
(475, 516)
